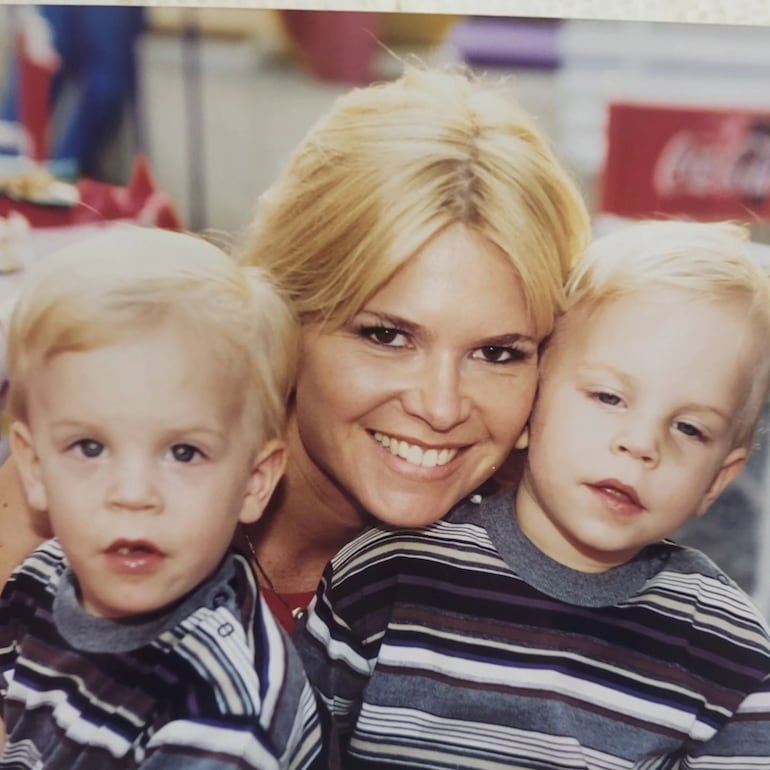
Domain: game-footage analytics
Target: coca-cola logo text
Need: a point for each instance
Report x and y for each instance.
(732, 161)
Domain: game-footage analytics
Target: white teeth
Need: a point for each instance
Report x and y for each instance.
(415, 455)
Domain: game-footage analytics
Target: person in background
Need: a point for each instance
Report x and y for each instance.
(97, 50)
(422, 232)
(149, 379)
(555, 624)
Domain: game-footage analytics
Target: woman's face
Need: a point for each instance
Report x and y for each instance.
(415, 402)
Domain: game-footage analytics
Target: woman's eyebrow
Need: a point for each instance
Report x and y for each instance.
(389, 319)
(506, 340)
(496, 340)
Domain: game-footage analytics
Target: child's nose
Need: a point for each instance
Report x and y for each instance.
(639, 441)
(134, 487)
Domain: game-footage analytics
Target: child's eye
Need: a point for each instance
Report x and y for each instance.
(501, 354)
(688, 429)
(185, 453)
(88, 447)
(603, 397)
(386, 336)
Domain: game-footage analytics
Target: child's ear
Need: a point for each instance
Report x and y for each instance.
(28, 463)
(266, 472)
(730, 470)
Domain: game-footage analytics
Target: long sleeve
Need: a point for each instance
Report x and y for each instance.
(743, 743)
(237, 744)
(336, 662)
(25, 595)
(339, 637)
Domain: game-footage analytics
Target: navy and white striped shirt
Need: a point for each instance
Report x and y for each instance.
(212, 684)
(463, 646)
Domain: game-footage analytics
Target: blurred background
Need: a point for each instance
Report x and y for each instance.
(652, 118)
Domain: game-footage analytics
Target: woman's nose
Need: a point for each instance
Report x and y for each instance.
(437, 394)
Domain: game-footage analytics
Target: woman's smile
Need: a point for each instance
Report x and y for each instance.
(415, 454)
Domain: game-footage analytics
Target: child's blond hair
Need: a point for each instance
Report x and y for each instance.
(128, 281)
(707, 261)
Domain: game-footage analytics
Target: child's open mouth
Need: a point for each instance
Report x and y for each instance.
(134, 556)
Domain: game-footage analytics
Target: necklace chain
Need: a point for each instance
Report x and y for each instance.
(295, 612)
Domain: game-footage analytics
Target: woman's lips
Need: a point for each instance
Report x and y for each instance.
(134, 557)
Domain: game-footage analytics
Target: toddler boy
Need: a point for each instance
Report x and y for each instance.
(149, 376)
(556, 626)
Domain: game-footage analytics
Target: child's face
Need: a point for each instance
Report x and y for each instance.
(631, 434)
(139, 453)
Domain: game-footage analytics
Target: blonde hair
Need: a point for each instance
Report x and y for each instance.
(709, 261)
(392, 165)
(119, 285)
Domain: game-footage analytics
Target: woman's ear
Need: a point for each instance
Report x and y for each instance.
(28, 463)
(266, 472)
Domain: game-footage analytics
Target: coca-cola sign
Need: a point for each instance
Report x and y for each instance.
(700, 163)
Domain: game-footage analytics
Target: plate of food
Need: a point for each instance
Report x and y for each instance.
(24, 180)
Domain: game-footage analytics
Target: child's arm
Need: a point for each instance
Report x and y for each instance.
(741, 744)
(238, 744)
(338, 677)
(13, 610)
(339, 637)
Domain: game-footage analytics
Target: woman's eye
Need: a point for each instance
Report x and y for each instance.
(384, 335)
(610, 399)
(499, 354)
(184, 453)
(688, 429)
(88, 447)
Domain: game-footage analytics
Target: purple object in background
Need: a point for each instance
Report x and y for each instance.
(505, 42)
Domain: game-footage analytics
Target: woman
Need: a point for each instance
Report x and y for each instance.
(423, 230)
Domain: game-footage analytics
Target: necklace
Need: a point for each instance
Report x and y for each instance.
(295, 612)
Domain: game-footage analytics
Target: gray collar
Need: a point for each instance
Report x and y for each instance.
(88, 633)
(586, 589)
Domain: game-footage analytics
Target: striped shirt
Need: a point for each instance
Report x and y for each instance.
(213, 683)
(463, 646)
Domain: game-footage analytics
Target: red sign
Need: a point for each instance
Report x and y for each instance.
(700, 163)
